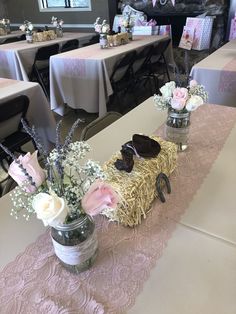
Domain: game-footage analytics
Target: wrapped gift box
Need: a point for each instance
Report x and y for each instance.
(202, 33)
(145, 30)
(138, 188)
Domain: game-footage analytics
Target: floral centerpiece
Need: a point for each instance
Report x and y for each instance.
(127, 22)
(180, 102)
(103, 29)
(58, 24)
(63, 194)
(5, 26)
(27, 27)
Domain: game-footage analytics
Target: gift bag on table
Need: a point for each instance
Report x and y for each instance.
(232, 34)
(202, 31)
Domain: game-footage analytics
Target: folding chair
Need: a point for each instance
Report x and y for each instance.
(157, 64)
(92, 41)
(99, 124)
(40, 68)
(140, 65)
(11, 134)
(70, 45)
(122, 77)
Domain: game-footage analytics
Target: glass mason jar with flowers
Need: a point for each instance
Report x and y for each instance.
(65, 195)
(58, 24)
(180, 102)
(128, 23)
(27, 27)
(103, 29)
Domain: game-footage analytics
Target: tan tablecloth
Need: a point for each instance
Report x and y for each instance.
(217, 73)
(196, 272)
(80, 78)
(16, 59)
(39, 113)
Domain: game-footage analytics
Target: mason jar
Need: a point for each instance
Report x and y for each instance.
(130, 33)
(29, 37)
(177, 128)
(103, 41)
(59, 31)
(75, 243)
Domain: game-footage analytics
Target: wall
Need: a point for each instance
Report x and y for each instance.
(20, 10)
(3, 9)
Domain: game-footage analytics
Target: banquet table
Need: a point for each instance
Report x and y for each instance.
(39, 113)
(217, 73)
(16, 59)
(80, 78)
(11, 35)
(180, 260)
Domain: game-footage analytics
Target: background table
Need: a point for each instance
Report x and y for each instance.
(16, 59)
(196, 272)
(39, 113)
(217, 73)
(80, 78)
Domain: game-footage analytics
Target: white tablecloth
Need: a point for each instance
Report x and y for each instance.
(80, 78)
(11, 35)
(39, 113)
(16, 59)
(217, 73)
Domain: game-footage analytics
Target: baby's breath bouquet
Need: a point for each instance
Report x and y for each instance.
(65, 188)
(101, 28)
(27, 27)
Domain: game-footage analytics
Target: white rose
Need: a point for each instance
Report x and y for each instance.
(30, 27)
(167, 89)
(194, 102)
(52, 210)
(22, 28)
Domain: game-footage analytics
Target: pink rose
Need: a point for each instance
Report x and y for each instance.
(193, 83)
(180, 96)
(31, 165)
(99, 196)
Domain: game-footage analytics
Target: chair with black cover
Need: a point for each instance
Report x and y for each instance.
(140, 65)
(40, 68)
(93, 40)
(70, 45)
(99, 124)
(157, 64)
(11, 40)
(122, 77)
(11, 133)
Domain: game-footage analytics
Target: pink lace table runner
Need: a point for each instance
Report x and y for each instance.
(227, 81)
(36, 283)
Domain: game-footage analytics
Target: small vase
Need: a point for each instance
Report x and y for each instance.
(103, 41)
(59, 31)
(75, 244)
(29, 37)
(130, 34)
(177, 128)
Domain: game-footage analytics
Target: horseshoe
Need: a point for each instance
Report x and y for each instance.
(162, 176)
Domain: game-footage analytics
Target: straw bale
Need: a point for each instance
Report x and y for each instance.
(137, 188)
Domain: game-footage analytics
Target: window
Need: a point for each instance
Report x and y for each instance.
(64, 5)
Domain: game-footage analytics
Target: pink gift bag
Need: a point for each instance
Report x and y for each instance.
(232, 34)
(202, 33)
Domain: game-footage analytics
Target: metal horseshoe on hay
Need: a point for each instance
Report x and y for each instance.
(162, 177)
